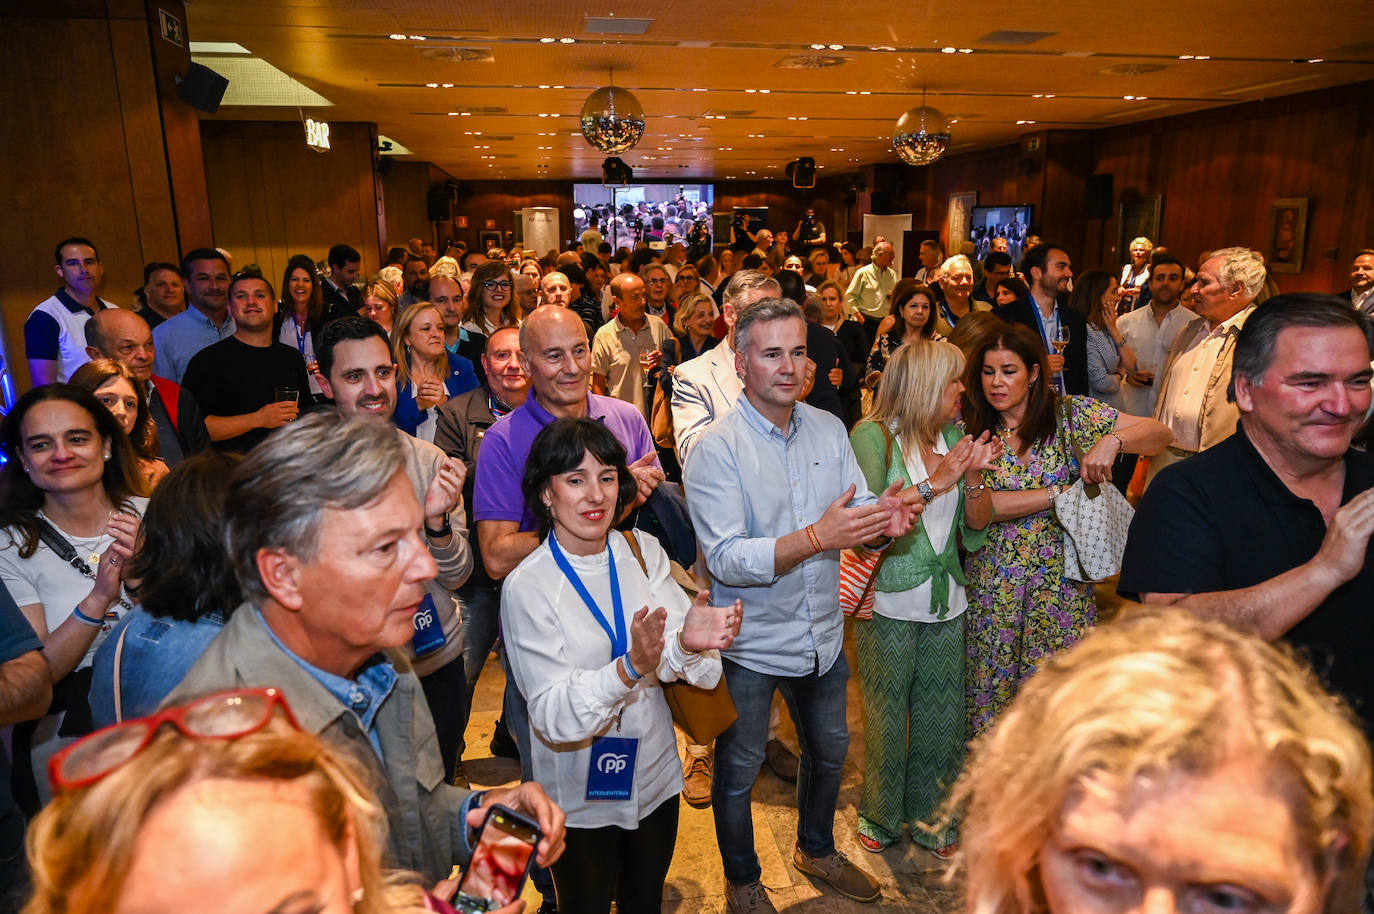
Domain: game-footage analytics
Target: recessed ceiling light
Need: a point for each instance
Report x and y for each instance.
(1316, 59)
(417, 37)
(448, 85)
(865, 92)
(851, 92)
(453, 113)
(966, 50)
(547, 40)
(396, 37)
(818, 47)
(837, 47)
(465, 113)
(751, 91)
(543, 86)
(567, 40)
(765, 91)
(432, 85)
(948, 50)
(882, 47)
(1025, 122)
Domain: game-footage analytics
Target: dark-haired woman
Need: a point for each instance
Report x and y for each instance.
(300, 315)
(588, 653)
(70, 502)
(186, 591)
(1023, 608)
(491, 299)
(115, 386)
(913, 318)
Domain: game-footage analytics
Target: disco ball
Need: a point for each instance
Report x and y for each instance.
(612, 120)
(921, 136)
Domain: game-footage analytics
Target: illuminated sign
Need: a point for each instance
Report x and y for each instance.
(316, 135)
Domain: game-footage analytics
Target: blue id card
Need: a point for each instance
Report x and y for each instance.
(429, 633)
(611, 774)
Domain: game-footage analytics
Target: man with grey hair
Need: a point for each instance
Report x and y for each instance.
(775, 493)
(870, 291)
(705, 387)
(323, 527)
(357, 373)
(1192, 385)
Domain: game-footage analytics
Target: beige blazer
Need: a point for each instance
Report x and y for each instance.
(1219, 416)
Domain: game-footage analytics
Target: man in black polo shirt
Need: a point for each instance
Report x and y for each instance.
(242, 382)
(1269, 530)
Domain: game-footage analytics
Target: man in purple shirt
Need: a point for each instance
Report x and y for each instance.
(555, 355)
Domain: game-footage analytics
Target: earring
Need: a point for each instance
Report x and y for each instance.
(357, 897)
(107, 455)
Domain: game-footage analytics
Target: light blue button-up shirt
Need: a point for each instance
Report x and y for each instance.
(749, 485)
(181, 336)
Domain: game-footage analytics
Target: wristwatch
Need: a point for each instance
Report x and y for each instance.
(446, 529)
(926, 490)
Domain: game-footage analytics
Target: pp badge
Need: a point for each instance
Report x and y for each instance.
(611, 775)
(429, 633)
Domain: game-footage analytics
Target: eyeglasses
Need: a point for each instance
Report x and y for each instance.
(656, 280)
(224, 715)
(491, 285)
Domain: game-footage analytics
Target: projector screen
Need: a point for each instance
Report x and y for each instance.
(642, 212)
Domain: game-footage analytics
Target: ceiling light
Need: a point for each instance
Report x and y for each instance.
(818, 47)
(698, 90)
(883, 47)
(851, 92)
(547, 40)
(966, 50)
(543, 87)
(865, 92)
(465, 113)
(417, 37)
(432, 85)
(448, 85)
(567, 40)
(764, 91)
(1316, 59)
(560, 87)
(837, 47)
(751, 91)
(396, 37)
(948, 50)
(453, 114)
(1025, 122)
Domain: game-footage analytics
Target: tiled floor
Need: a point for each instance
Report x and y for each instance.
(912, 879)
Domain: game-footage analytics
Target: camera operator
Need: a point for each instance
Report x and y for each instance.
(698, 240)
(742, 239)
(810, 233)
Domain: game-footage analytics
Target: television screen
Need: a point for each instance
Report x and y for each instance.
(646, 212)
(1009, 222)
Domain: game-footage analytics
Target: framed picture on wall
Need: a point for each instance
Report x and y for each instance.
(1287, 234)
(957, 222)
(488, 240)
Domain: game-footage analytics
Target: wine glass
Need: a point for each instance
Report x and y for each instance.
(1061, 338)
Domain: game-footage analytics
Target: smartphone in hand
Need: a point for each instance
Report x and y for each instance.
(500, 862)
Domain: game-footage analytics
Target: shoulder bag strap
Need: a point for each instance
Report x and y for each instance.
(118, 659)
(64, 550)
(633, 542)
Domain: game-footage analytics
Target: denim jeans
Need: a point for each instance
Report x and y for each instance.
(517, 716)
(481, 600)
(817, 704)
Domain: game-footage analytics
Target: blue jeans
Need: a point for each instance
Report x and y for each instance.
(481, 601)
(517, 717)
(817, 704)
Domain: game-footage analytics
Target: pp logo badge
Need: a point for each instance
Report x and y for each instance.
(424, 618)
(612, 763)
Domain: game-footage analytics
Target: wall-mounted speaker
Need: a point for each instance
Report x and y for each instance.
(1097, 197)
(201, 88)
(802, 172)
(437, 206)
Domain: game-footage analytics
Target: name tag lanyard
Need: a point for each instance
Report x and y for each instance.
(619, 639)
(1058, 380)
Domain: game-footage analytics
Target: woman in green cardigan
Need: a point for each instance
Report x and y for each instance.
(911, 648)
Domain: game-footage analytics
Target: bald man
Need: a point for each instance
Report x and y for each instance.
(629, 349)
(554, 289)
(125, 337)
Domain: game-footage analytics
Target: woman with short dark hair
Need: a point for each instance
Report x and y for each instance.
(588, 654)
(185, 587)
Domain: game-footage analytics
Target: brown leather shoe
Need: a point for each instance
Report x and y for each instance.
(842, 875)
(748, 899)
(781, 760)
(696, 782)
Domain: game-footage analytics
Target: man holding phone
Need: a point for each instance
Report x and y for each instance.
(1269, 530)
(323, 526)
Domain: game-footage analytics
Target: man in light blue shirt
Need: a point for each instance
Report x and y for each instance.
(205, 273)
(775, 493)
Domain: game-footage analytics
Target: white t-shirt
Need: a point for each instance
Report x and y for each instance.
(938, 519)
(45, 578)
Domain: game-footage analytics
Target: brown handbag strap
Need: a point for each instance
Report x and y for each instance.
(634, 547)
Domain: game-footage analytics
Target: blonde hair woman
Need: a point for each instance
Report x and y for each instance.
(379, 303)
(911, 650)
(221, 803)
(427, 374)
(1172, 758)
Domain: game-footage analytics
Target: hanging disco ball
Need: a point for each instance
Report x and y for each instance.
(612, 120)
(921, 136)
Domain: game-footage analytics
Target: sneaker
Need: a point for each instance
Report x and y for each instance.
(696, 782)
(502, 745)
(748, 899)
(460, 778)
(842, 876)
(781, 760)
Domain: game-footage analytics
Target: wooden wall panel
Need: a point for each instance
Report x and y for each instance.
(271, 196)
(404, 185)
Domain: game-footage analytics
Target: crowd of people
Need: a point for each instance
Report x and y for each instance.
(260, 544)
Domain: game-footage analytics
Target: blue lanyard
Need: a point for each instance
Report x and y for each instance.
(1040, 322)
(300, 337)
(949, 315)
(619, 641)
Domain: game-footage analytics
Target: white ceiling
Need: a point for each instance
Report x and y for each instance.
(463, 82)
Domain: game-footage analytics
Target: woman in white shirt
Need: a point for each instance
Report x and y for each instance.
(70, 504)
(910, 647)
(588, 653)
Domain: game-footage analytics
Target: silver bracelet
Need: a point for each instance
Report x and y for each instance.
(973, 493)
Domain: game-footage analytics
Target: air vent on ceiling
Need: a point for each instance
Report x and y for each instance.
(810, 62)
(615, 25)
(1133, 69)
(459, 55)
(1014, 36)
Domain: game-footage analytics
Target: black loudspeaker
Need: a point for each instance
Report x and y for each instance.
(201, 88)
(802, 172)
(615, 173)
(1097, 197)
(437, 203)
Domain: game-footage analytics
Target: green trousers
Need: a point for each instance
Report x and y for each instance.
(911, 675)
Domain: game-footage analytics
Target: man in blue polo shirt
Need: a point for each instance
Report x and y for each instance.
(555, 355)
(54, 342)
(206, 321)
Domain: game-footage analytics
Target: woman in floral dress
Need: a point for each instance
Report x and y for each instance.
(1022, 607)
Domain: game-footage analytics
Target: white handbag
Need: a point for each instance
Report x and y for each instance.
(1095, 518)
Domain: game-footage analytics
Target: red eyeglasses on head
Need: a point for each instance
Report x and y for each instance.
(223, 715)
